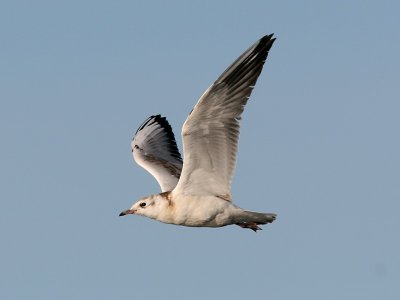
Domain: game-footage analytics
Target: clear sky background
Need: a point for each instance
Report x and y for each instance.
(319, 146)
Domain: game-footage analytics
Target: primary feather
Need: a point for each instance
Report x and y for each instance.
(154, 148)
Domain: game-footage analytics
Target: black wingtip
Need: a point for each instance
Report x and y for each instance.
(167, 129)
(251, 60)
(265, 42)
(267, 36)
(147, 121)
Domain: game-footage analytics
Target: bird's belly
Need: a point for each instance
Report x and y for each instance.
(202, 212)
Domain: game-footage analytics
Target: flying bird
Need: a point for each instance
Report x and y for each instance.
(196, 191)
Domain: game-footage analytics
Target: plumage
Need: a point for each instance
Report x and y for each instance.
(154, 148)
(210, 133)
(197, 191)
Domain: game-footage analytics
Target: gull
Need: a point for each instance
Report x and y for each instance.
(196, 191)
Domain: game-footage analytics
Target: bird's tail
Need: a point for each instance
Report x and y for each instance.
(260, 218)
(251, 220)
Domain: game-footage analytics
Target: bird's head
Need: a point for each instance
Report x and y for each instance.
(151, 206)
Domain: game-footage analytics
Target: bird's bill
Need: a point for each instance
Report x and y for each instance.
(127, 212)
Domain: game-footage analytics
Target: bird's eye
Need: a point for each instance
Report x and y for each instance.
(143, 204)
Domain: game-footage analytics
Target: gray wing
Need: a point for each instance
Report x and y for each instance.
(211, 131)
(154, 148)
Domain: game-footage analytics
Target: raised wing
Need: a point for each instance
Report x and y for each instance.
(211, 131)
(154, 148)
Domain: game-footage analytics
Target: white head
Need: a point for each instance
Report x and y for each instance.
(151, 206)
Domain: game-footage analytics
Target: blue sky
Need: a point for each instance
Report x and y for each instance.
(319, 146)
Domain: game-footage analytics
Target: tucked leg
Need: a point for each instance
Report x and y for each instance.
(253, 226)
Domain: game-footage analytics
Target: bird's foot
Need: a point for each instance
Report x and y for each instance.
(253, 226)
